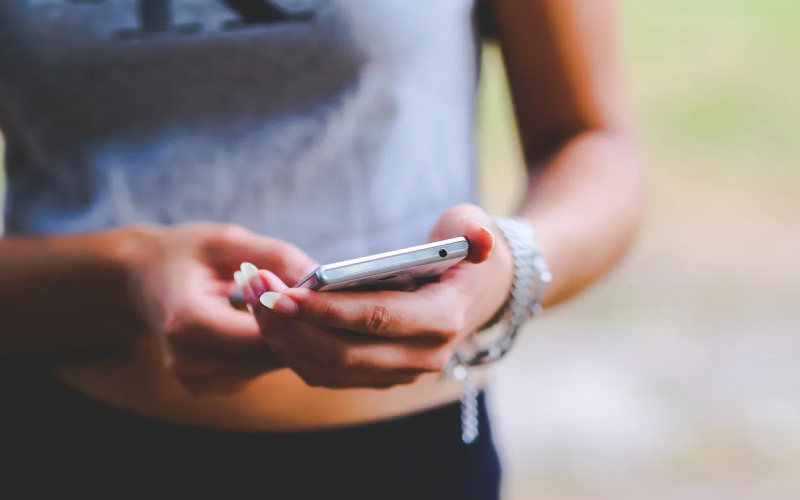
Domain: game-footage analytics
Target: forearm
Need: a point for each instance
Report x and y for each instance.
(586, 207)
(61, 294)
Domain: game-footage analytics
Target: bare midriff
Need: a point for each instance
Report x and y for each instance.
(136, 380)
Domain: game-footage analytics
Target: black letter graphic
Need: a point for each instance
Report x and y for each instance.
(264, 12)
(255, 12)
(155, 16)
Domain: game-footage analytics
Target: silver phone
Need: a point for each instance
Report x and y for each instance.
(400, 269)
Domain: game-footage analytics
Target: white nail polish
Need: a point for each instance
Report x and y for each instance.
(238, 277)
(270, 298)
(249, 271)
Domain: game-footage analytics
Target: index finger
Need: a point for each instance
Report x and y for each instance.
(432, 312)
(234, 245)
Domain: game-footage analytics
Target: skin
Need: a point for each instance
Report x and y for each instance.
(382, 339)
(151, 331)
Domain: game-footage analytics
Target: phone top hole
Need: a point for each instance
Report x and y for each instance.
(443, 253)
(388, 277)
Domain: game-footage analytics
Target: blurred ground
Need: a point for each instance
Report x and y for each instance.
(677, 377)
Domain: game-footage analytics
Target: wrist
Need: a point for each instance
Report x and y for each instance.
(127, 249)
(530, 278)
(502, 274)
(121, 256)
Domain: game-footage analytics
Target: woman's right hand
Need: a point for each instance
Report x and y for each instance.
(183, 277)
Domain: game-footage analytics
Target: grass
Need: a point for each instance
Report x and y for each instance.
(714, 86)
(716, 81)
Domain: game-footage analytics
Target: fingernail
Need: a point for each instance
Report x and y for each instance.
(491, 234)
(238, 277)
(279, 303)
(249, 271)
(251, 277)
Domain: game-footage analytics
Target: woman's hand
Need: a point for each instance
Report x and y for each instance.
(183, 278)
(381, 339)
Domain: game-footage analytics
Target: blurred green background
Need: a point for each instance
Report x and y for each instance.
(677, 377)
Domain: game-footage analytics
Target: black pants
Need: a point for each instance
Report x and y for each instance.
(53, 436)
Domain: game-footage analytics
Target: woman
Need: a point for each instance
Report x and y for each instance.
(143, 138)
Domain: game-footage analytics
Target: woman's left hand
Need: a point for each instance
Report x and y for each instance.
(385, 338)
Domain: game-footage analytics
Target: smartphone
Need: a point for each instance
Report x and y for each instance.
(401, 269)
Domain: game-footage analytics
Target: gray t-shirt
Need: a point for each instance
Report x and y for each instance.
(344, 126)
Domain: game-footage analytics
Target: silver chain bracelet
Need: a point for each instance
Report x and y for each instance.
(531, 276)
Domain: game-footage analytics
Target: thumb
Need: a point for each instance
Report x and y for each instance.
(471, 222)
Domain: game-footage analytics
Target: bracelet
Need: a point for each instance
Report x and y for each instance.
(531, 276)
